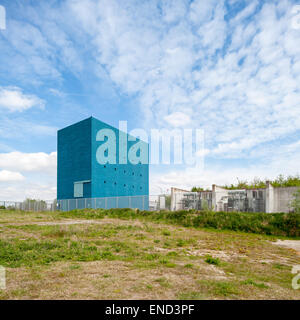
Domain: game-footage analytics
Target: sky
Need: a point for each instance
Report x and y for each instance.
(230, 68)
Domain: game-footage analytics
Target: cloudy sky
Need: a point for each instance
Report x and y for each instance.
(231, 68)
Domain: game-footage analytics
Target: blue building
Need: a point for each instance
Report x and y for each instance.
(99, 166)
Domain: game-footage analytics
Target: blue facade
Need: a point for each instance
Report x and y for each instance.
(78, 165)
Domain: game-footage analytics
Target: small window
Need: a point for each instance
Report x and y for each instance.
(78, 190)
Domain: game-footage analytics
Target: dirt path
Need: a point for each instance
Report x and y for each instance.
(291, 244)
(73, 222)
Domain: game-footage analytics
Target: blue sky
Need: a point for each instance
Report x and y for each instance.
(231, 68)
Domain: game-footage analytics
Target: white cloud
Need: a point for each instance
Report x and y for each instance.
(19, 128)
(29, 162)
(21, 191)
(243, 96)
(14, 100)
(10, 176)
(178, 119)
(237, 79)
(27, 175)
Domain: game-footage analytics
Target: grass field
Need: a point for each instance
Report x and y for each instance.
(110, 255)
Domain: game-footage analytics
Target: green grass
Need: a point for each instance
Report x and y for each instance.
(163, 282)
(223, 289)
(193, 295)
(279, 224)
(255, 284)
(16, 253)
(210, 260)
(132, 254)
(189, 266)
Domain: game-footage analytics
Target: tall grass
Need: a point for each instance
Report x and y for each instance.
(279, 224)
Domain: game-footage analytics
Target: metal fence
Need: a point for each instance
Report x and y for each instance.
(138, 202)
(30, 205)
(152, 202)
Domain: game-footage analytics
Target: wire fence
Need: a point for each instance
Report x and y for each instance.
(260, 200)
(147, 202)
(30, 205)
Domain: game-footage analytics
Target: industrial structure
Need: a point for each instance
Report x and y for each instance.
(267, 199)
(94, 170)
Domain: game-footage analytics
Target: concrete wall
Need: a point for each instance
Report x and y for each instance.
(283, 198)
(218, 194)
(176, 198)
(270, 199)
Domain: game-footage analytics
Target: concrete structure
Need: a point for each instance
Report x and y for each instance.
(92, 162)
(280, 199)
(267, 200)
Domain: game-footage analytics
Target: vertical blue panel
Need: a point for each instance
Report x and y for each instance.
(73, 158)
(117, 180)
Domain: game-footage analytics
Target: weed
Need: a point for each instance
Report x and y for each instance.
(75, 267)
(255, 284)
(163, 282)
(210, 260)
(193, 295)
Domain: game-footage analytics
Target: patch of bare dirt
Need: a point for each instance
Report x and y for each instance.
(215, 253)
(291, 244)
(74, 222)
